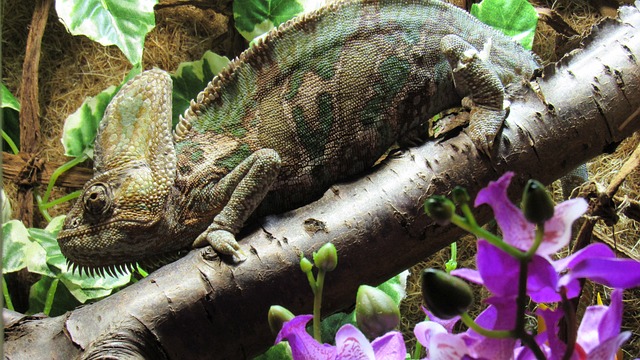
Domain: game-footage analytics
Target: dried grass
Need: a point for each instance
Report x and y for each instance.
(74, 67)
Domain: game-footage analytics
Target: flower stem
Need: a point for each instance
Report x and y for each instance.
(317, 305)
(572, 332)
(536, 242)
(531, 343)
(7, 298)
(472, 227)
(495, 334)
(521, 300)
(452, 263)
(51, 293)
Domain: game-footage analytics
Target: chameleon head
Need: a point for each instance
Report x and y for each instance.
(118, 218)
(114, 221)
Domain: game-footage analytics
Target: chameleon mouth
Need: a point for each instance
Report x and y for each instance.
(149, 264)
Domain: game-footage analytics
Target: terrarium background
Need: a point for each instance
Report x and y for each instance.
(74, 67)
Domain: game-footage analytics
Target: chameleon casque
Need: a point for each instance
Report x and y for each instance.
(319, 99)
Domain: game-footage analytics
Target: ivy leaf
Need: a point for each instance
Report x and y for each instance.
(279, 351)
(6, 207)
(80, 128)
(192, 77)
(19, 251)
(83, 288)
(256, 17)
(110, 22)
(515, 18)
(8, 100)
(10, 118)
(63, 301)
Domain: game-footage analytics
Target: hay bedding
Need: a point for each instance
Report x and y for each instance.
(74, 67)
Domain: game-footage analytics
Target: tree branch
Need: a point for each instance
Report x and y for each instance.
(201, 307)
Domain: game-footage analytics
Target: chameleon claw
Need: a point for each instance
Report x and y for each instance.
(223, 242)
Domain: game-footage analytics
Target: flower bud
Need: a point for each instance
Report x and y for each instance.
(376, 312)
(445, 295)
(277, 316)
(440, 209)
(460, 195)
(305, 264)
(326, 258)
(537, 204)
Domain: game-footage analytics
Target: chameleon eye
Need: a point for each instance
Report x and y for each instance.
(97, 199)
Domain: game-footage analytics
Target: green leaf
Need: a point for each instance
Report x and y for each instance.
(85, 288)
(515, 18)
(20, 251)
(10, 115)
(331, 324)
(110, 22)
(396, 287)
(279, 351)
(256, 17)
(8, 100)
(80, 128)
(192, 77)
(6, 207)
(82, 287)
(63, 301)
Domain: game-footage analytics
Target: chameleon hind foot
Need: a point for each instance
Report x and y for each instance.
(223, 242)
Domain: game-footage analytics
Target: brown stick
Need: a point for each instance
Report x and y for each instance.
(30, 107)
(15, 165)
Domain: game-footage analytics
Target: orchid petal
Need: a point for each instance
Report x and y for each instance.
(424, 332)
(469, 275)
(500, 315)
(608, 349)
(592, 251)
(598, 263)
(600, 323)
(352, 344)
(498, 269)
(390, 346)
(557, 230)
(517, 231)
(445, 346)
(612, 272)
(551, 319)
(447, 323)
(303, 345)
(542, 281)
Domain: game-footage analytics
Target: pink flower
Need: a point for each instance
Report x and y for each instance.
(435, 335)
(350, 343)
(599, 335)
(520, 233)
(498, 271)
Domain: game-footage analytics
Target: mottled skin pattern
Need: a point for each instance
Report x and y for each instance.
(318, 100)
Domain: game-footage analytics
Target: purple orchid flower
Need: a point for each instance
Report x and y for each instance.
(520, 233)
(350, 343)
(437, 338)
(498, 271)
(599, 335)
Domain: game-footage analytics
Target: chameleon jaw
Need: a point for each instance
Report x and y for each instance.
(120, 269)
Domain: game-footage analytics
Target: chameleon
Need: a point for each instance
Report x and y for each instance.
(317, 100)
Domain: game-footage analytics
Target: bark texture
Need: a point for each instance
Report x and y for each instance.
(201, 308)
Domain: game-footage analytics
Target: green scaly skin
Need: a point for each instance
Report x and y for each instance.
(318, 100)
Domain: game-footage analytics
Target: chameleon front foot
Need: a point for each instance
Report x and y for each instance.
(223, 242)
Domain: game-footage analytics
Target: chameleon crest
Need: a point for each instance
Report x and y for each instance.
(318, 100)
